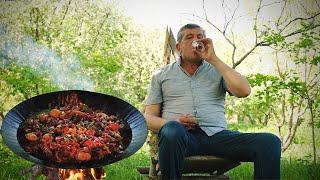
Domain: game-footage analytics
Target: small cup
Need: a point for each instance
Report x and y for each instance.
(198, 45)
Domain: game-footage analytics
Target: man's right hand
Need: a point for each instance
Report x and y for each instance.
(188, 120)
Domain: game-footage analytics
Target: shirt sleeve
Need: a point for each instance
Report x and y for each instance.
(154, 94)
(225, 87)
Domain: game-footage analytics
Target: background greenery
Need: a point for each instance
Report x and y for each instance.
(53, 45)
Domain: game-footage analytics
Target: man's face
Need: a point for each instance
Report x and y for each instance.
(185, 47)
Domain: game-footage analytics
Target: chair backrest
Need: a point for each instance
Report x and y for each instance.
(170, 50)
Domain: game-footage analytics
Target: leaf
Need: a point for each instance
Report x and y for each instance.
(305, 43)
(315, 61)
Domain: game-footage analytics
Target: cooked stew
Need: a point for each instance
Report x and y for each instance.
(71, 133)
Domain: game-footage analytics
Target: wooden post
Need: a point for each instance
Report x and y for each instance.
(169, 47)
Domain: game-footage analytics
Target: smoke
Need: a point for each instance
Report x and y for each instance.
(66, 72)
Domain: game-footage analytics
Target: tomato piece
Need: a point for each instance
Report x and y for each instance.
(65, 130)
(88, 143)
(90, 132)
(73, 152)
(47, 138)
(114, 126)
(97, 142)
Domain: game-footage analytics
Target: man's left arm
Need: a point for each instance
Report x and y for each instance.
(237, 84)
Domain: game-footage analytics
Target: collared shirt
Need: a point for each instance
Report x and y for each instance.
(202, 95)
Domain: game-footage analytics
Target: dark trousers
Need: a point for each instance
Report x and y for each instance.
(176, 142)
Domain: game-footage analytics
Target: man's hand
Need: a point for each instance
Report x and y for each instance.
(237, 84)
(208, 53)
(188, 120)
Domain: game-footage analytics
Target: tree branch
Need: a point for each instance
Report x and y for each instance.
(293, 129)
(204, 10)
(282, 10)
(257, 43)
(263, 43)
(245, 55)
(65, 12)
(100, 28)
(232, 16)
(301, 31)
(317, 3)
(255, 22)
(299, 18)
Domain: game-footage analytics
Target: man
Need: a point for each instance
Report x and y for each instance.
(185, 105)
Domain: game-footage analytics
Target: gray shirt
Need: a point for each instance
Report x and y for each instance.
(202, 95)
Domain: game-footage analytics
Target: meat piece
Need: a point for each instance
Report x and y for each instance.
(55, 113)
(83, 156)
(31, 137)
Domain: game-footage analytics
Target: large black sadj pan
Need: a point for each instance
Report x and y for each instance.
(134, 138)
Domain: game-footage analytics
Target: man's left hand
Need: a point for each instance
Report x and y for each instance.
(208, 54)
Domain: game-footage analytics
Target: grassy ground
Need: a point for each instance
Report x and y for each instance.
(295, 164)
(293, 170)
(11, 165)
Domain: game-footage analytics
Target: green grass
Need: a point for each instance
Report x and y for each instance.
(11, 164)
(126, 169)
(290, 170)
(295, 163)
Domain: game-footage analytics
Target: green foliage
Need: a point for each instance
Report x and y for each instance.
(7, 98)
(244, 126)
(117, 55)
(99, 63)
(315, 61)
(6, 155)
(91, 30)
(289, 97)
(100, 66)
(139, 56)
(26, 81)
(272, 37)
(262, 105)
(305, 43)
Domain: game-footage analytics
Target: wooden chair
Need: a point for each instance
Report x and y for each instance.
(195, 167)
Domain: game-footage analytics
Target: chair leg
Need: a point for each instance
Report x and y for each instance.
(152, 170)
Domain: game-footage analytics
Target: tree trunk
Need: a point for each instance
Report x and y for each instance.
(310, 105)
(293, 126)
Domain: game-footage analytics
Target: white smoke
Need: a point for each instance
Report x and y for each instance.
(66, 72)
